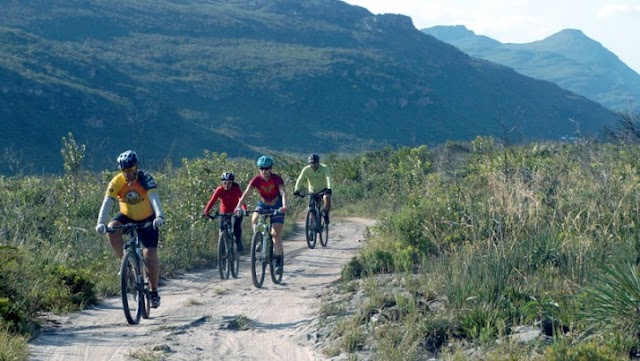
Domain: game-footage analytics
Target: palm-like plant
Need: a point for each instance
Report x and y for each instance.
(612, 304)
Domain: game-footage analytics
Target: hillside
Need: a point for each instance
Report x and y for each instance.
(568, 58)
(172, 78)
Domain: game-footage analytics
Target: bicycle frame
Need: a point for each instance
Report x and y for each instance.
(227, 251)
(262, 248)
(315, 226)
(133, 249)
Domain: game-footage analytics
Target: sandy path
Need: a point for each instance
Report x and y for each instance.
(193, 322)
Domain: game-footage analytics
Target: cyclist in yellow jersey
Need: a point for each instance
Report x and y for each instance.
(317, 177)
(137, 195)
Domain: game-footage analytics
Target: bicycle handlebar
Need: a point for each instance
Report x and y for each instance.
(220, 215)
(129, 226)
(266, 212)
(304, 193)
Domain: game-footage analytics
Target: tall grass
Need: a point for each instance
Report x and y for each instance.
(509, 235)
(494, 237)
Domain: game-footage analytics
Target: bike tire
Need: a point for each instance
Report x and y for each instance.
(276, 278)
(223, 256)
(258, 265)
(324, 232)
(310, 228)
(132, 294)
(146, 302)
(234, 258)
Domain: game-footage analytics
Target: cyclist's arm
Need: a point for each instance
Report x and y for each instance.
(283, 194)
(327, 174)
(238, 193)
(247, 193)
(107, 203)
(154, 198)
(298, 185)
(212, 201)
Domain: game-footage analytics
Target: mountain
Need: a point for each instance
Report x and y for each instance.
(568, 58)
(171, 78)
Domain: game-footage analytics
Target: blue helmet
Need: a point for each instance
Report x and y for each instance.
(127, 159)
(265, 162)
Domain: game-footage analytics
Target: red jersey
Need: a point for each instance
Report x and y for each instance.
(269, 190)
(228, 199)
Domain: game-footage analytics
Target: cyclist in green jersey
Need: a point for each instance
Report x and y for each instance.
(317, 177)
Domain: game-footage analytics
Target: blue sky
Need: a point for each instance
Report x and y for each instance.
(614, 24)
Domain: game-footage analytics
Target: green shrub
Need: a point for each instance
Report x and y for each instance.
(589, 351)
(12, 347)
(352, 270)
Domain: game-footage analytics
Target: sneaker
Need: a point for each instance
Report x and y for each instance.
(326, 217)
(155, 299)
(279, 267)
(240, 247)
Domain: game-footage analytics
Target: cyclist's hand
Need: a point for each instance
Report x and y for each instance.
(205, 215)
(282, 210)
(101, 228)
(159, 221)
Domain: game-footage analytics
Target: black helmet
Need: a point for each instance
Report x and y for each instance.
(227, 176)
(127, 159)
(314, 158)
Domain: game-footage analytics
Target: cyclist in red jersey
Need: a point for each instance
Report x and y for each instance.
(273, 196)
(228, 193)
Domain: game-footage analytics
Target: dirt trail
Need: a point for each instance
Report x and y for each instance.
(195, 319)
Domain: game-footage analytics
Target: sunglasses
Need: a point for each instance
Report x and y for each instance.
(129, 170)
(265, 168)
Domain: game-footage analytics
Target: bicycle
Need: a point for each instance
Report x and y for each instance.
(134, 283)
(262, 249)
(228, 260)
(315, 226)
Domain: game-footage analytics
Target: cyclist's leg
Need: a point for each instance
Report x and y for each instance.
(237, 231)
(153, 266)
(276, 231)
(327, 206)
(149, 239)
(115, 238)
(254, 221)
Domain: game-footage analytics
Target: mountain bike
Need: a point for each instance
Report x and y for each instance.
(262, 249)
(134, 283)
(228, 260)
(315, 226)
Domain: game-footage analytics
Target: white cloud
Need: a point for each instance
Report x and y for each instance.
(615, 10)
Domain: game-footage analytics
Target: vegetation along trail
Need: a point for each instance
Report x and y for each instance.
(205, 318)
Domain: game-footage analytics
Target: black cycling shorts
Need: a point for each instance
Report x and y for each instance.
(148, 236)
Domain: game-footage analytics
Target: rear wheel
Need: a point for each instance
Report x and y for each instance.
(258, 263)
(324, 231)
(310, 228)
(276, 278)
(223, 256)
(146, 300)
(132, 294)
(234, 259)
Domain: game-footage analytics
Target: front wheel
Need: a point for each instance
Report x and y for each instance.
(310, 228)
(258, 263)
(132, 294)
(223, 256)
